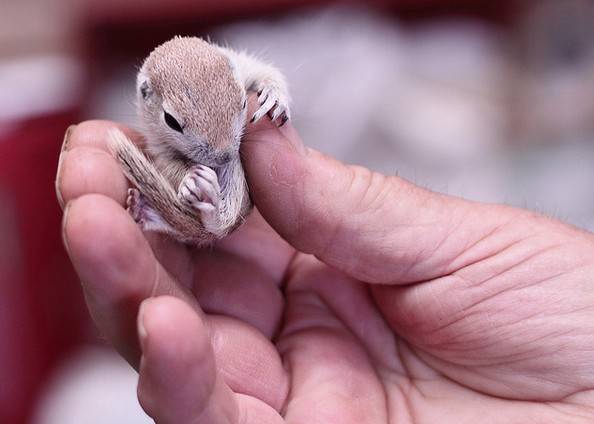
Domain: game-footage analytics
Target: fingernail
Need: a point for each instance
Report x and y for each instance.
(58, 182)
(63, 152)
(142, 333)
(64, 223)
(67, 135)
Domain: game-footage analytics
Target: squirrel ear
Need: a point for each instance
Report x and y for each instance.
(143, 84)
(145, 89)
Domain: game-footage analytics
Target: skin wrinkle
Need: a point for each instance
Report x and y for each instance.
(218, 285)
(528, 354)
(452, 341)
(332, 225)
(557, 408)
(424, 355)
(509, 358)
(463, 336)
(347, 326)
(482, 347)
(344, 325)
(445, 238)
(394, 338)
(420, 256)
(263, 371)
(541, 377)
(176, 259)
(505, 289)
(569, 401)
(311, 323)
(439, 374)
(363, 203)
(539, 282)
(420, 357)
(508, 268)
(358, 288)
(555, 382)
(437, 301)
(469, 268)
(287, 275)
(255, 369)
(393, 256)
(296, 185)
(406, 394)
(240, 316)
(408, 275)
(384, 191)
(365, 290)
(411, 265)
(377, 381)
(334, 229)
(287, 365)
(468, 251)
(463, 313)
(155, 285)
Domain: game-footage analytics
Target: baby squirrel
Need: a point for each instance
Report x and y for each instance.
(192, 101)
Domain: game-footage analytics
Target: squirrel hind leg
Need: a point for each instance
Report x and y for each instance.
(145, 216)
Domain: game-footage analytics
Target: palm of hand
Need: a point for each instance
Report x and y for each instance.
(325, 350)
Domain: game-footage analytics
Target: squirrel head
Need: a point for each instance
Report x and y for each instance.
(191, 101)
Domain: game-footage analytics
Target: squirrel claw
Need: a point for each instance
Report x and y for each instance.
(273, 100)
(134, 205)
(137, 207)
(284, 120)
(200, 186)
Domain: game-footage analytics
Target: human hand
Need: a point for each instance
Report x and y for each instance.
(468, 312)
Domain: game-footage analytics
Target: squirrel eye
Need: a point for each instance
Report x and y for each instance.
(172, 122)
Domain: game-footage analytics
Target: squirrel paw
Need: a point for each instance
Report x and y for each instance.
(144, 215)
(274, 101)
(201, 191)
(135, 205)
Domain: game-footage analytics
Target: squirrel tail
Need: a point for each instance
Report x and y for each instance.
(140, 170)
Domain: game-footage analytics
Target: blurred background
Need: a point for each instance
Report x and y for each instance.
(492, 101)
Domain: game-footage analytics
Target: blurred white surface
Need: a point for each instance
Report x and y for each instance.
(433, 103)
(38, 85)
(429, 103)
(95, 387)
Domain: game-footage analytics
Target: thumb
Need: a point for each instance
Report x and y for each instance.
(377, 228)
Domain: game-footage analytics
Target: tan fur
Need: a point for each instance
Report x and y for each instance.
(144, 175)
(197, 81)
(203, 87)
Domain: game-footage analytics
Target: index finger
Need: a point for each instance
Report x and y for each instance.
(86, 166)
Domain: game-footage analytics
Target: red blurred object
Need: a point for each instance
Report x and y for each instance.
(42, 313)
